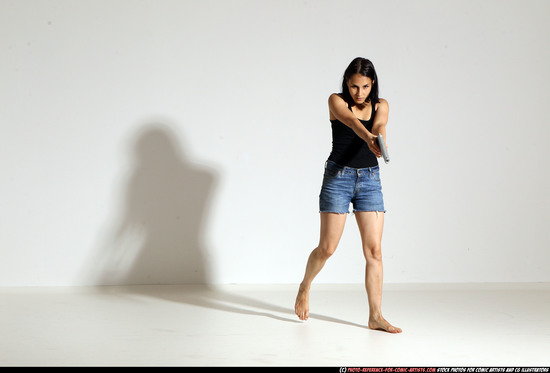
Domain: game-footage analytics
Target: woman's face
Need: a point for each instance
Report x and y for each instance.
(359, 88)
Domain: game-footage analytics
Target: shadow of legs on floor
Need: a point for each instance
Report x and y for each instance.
(222, 299)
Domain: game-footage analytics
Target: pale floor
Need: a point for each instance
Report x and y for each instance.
(254, 325)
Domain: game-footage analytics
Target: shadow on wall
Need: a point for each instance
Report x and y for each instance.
(159, 236)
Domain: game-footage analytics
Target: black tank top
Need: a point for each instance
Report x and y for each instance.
(350, 150)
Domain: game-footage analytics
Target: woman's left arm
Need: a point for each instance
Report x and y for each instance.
(381, 119)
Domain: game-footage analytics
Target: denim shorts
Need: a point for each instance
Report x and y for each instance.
(344, 185)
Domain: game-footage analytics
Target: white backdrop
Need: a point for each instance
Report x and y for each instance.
(147, 141)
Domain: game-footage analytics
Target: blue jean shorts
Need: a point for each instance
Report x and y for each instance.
(344, 185)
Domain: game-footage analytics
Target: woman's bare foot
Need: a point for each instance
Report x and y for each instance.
(302, 304)
(379, 323)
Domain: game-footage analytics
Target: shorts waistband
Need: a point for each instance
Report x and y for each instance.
(359, 170)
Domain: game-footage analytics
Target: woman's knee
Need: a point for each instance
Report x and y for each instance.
(373, 252)
(325, 251)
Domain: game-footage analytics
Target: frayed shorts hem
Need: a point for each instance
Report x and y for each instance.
(352, 212)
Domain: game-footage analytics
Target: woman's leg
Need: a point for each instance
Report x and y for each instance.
(371, 225)
(332, 227)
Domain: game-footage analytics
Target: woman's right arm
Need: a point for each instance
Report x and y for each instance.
(339, 110)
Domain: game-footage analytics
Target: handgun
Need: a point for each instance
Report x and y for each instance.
(383, 149)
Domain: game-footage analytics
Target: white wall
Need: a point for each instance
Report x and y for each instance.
(184, 141)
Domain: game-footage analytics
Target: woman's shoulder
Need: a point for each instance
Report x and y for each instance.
(382, 104)
(335, 100)
(336, 96)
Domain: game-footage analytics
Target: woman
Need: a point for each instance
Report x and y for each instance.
(352, 175)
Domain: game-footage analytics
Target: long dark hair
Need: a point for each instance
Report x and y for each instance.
(364, 67)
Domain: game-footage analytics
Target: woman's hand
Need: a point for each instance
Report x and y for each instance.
(373, 145)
